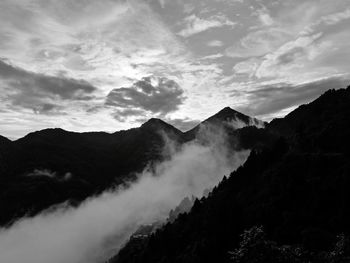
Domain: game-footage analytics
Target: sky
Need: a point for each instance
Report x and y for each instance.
(108, 65)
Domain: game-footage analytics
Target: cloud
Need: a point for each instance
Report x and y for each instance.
(258, 43)
(162, 3)
(265, 17)
(213, 56)
(105, 42)
(287, 61)
(293, 42)
(269, 100)
(239, 124)
(50, 174)
(123, 115)
(195, 25)
(39, 92)
(336, 17)
(158, 96)
(269, 33)
(96, 230)
(215, 43)
(248, 66)
(292, 54)
(330, 19)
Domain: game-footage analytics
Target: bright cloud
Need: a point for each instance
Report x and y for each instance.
(195, 25)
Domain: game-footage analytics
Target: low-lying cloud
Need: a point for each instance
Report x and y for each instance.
(239, 124)
(96, 229)
(49, 174)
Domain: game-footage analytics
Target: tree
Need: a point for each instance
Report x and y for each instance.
(255, 248)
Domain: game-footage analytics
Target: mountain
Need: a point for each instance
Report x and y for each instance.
(52, 166)
(243, 132)
(227, 115)
(296, 188)
(321, 125)
(158, 124)
(4, 140)
(227, 118)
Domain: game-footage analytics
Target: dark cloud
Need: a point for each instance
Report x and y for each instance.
(39, 92)
(274, 98)
(158, 96)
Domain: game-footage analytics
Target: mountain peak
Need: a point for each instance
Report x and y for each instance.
(227, 114)
(155, 123)
(227, 117)
(227, 110)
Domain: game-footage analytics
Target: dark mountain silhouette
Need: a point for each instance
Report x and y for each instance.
(53, 165)
(296, 187)
(158, 124)
(226, 114)
(321, 125)
(227, 118)
(4, 140)
(243, 132)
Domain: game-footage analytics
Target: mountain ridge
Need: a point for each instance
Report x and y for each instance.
(296, 188)
(95, 161)
(224, 114)
(227, 118)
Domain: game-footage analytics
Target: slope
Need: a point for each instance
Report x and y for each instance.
(297, 189)
(53, 165)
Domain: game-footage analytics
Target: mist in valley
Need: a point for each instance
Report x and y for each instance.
(98, 228)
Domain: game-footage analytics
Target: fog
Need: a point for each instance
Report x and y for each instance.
(238, 123)
(95, 230)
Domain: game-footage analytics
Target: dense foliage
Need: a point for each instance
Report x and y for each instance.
(256, 248)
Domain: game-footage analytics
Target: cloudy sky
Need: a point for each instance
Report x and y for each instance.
(111, 64)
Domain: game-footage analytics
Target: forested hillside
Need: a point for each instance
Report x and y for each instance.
(296, 189)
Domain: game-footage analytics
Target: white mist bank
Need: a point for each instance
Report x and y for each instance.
(96, 229)
(238, 124)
